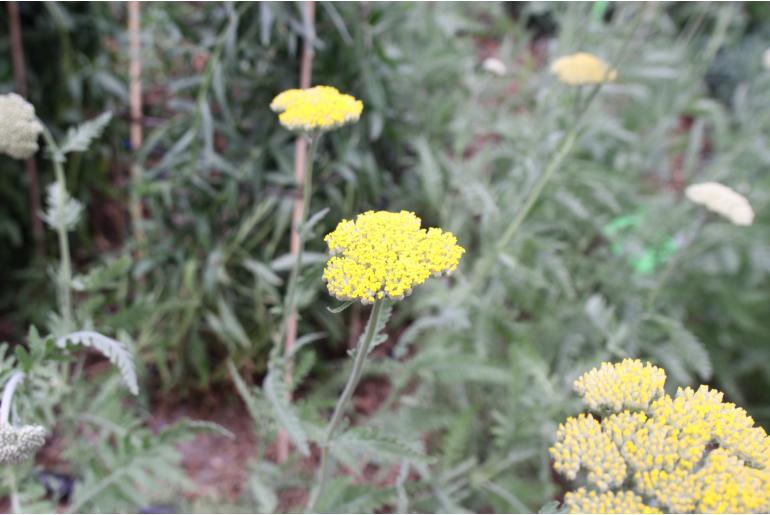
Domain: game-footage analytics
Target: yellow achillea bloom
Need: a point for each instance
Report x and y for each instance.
(630, 383)
(581, 69)
(585, 501)
(383, 254)
(689, 453)
(320, 108)
(722, 200)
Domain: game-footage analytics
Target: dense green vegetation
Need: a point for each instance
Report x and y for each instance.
(459, 406)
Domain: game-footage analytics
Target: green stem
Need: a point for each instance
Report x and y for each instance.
(581, 107)
(653, 296)
(65, 266)
(355, 376)
(13, 489)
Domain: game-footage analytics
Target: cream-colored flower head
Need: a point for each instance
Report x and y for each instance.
(494, 66)
(723, 200)
(19, 128)
(581, 69)
(320, 108)
(687, 453)
(18, 444)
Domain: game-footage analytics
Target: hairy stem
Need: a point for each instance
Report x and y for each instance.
(5, 405)
(13, 490)
(65, 263)
(355, 376)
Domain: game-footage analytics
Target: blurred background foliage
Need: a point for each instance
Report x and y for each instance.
(477, 373)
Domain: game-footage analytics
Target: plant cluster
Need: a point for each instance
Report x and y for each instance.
(588, 179)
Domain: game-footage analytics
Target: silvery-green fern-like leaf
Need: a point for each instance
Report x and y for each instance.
(62, 208)
(113, 350)
(278, 394)
(79, 138)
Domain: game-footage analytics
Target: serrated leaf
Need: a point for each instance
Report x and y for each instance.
(277, 394)
(113, 350)
(79, 138)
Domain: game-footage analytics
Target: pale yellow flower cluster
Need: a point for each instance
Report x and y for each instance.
(689, 453)
(383, 254)
(19, 128)
(630, 384)
(582, 69)
(320, 108)
(722, 200)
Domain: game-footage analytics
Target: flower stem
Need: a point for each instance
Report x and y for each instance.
(13, 489)
(65, 266)
(355, 376)
(653, 296)
(8, 391)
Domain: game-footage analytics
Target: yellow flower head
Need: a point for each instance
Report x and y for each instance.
(386, 254)
(623, 501)
(320, 108)
(582, 68)
(723, 200)
(689, 453)
(630, 384)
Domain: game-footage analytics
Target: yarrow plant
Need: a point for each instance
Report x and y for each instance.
(582, 69)
(310, 112)
(719, 199)
(377, 259)
(643, 451)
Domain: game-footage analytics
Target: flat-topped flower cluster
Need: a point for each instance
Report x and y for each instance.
(648, 452)
(381, 254)
(320, 108)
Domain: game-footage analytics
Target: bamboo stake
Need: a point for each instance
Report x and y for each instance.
(135, 101)
(300, 157)
(20, 79)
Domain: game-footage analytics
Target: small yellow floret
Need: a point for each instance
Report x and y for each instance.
(630, 384)
(383, 254)
(624, 501)
(320, 108)
(582, 68)
(580, 442)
